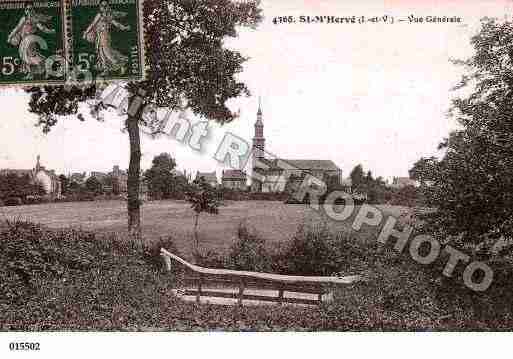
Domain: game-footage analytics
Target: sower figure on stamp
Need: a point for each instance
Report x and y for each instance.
(99, 33)
(22, 35)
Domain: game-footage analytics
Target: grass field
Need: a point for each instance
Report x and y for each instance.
(274, 221)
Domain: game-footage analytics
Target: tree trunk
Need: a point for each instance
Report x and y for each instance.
(133, 182)
(196, 240)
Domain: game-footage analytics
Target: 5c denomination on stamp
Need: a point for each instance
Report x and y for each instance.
(31, 42)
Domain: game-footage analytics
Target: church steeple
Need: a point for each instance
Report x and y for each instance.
(258, 151)
(259, 124)
(258, 139)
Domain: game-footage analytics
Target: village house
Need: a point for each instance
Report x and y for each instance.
(120, 179)
(116, 181)
(401, 182)
(234, 179)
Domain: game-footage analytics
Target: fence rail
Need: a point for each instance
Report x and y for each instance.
(244, 280)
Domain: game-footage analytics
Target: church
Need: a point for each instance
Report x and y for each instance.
(274, 174)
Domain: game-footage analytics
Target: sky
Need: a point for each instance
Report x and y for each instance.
(375, 94)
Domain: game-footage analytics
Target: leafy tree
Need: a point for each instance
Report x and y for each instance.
(424, 170)
(74, 187)
(64, 184)
(188, 66)
(13, 185)
(472, 187)
(357, 177)
(203, 199)
(160, 177)
(94, 185)
(368, 177)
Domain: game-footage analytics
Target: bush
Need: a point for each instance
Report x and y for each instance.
(62, 280)
(13, 201)
(36, 200)
(78, 197)
(210, 259)
(317, 250)
(394, 296)
(313, 251)
(152, 256)
(249, 252)
(71, 279)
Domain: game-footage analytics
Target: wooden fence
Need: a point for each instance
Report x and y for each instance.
(243, 280)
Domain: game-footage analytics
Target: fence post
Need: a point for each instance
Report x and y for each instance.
(200, 283)
(241, 291)
(167, 262)
(319, 296)
(280, 293)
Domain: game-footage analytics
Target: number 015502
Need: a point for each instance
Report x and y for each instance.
(23, 346)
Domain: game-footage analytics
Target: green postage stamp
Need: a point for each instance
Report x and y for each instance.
(45, 42)
(31, 40)
(107, 39)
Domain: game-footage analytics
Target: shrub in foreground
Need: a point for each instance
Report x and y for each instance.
(76, 280)
(316, 250)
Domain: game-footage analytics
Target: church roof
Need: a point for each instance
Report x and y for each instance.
(312, 165)
(234, 175)
(326, 165)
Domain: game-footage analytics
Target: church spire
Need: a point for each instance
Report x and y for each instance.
(259, 112)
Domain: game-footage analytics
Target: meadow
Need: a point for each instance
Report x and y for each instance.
(273, 221)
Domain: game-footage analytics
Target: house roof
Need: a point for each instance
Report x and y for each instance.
(234, 175)
(18, 172)
(403, 181)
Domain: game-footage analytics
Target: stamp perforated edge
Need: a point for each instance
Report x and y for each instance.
(39, 82)
(100, 80)
(67, 41)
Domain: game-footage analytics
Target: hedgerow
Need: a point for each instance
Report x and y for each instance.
(76, 280)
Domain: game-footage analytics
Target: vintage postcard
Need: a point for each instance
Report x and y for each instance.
(31, 42)
(273, 166)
